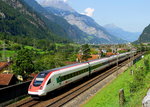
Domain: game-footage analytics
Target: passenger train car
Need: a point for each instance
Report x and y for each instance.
(49, 80)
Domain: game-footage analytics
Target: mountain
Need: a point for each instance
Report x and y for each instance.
(25, 21)
(145, 36)
(57, 4)
(71, 31)
(94, 33)
(120, 33)
(18, 20)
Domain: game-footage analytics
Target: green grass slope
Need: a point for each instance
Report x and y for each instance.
(109, 96)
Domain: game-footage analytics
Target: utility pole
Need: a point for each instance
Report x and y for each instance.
(117, 63)
(121, 98)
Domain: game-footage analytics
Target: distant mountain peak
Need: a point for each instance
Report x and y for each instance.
(112, 26)
(89, 31)
(121, 33)
(59, 4)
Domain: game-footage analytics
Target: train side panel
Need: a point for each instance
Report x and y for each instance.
(59, 77)
(67, 76)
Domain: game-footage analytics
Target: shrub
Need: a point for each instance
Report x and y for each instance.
(138, 80)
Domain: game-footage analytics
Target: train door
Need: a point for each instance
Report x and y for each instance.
(51, 84)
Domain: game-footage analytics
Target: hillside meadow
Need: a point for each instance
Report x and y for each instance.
(134, 91)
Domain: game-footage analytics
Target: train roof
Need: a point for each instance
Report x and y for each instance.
(97, 60)
(55, 69)
(102, 59)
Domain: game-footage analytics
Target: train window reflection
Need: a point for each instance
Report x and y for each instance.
(37, 83)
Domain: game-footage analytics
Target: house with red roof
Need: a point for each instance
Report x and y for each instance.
(110, 54)
(7, 79)
(92, 57)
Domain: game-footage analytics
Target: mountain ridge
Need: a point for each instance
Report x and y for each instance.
(145, 36)
(57, 4)
(121, 33)
(85, 24)
(73, 32)
(26, 18)
(20, 23)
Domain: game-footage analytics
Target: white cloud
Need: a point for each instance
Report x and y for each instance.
(89, 11)
(65, 0)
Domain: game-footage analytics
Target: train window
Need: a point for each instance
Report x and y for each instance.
(80, 72)
(65, 77)
(59, 79)
(72, 75)
(42, 75)
(37, 82)
(69, 76)
(49, 81)
(76, 73)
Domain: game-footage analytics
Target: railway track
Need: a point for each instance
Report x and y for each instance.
(84, 87)
(60, 98)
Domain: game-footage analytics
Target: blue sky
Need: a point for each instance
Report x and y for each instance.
(131, 15)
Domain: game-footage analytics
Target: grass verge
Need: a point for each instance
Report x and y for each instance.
(109, 95)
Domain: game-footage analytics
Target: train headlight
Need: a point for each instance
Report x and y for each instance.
(41, 87)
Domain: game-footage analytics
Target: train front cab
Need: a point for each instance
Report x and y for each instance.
(37, 86)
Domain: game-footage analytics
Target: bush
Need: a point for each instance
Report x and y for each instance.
(139, 76)
(138, 80)
(146, 63)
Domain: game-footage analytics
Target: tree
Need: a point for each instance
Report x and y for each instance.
(85, 52)
(47, 62)
(16, 47)
(0, 56)
(23, 64)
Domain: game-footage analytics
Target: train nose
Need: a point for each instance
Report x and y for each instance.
(38, 93)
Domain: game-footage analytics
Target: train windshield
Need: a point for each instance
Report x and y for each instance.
(39, 79)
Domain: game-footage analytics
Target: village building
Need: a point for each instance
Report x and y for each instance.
(92, 57)
(7, 80)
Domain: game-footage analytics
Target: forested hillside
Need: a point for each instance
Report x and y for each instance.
(145, 36)
(22, 25)
(73, 32)
(79, 28)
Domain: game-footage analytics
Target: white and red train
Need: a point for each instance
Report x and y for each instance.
(49, 80)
